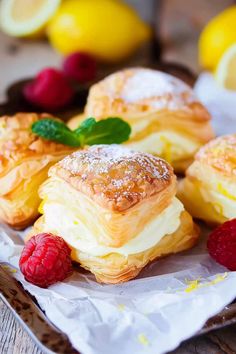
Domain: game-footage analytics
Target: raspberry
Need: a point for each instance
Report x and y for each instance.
(50, 90)
(45, 260)
(222, 244)
(80, 67)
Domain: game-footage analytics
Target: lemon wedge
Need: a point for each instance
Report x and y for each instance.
(23, 18)
(226, 70)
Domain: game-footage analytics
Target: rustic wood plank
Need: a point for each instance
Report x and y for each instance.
(222, 341)
(13, 339)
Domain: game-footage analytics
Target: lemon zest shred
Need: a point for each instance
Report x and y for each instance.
(192, 285)
(195, 284)
(121, 307)
(218, 278)
(224, 191)
(143, 339)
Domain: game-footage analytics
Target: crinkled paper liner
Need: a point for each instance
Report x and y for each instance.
(169, 302)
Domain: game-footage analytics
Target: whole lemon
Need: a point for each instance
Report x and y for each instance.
(107, 29)
(216, 37)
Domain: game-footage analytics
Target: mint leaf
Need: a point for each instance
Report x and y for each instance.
(106, 131)
(51, 129)
(112, 130)
(85, 129)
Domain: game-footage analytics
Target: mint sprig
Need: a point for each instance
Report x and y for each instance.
(112, 130)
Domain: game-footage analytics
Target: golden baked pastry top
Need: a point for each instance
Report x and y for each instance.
(113, 176)
(140, 90)
(220, 154)
(18, 142)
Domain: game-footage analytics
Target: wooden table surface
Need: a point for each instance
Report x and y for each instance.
(180, 30)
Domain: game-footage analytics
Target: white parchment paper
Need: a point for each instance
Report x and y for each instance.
(169, 302)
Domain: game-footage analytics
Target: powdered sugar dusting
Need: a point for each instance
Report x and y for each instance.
(220, 154)
(101, 158)
(118, 173)
(223, 145)
(160, 89)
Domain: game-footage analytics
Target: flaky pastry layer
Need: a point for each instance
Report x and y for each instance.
(151, 102)
(58, 219)
(116, 268)
(111, 205)
(24, 163)
(111, 228)
(209, 189)
(116, 178)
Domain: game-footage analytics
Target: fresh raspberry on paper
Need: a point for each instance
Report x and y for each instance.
(80, 67)
(50, 90)
(45, 260)
(222, 244)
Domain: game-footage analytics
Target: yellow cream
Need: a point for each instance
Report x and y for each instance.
(221, 202)
(63, 221)
(216, 190)
(168, 144)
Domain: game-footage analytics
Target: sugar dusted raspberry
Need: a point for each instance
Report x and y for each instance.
(222, 244)
(45, 260)
(80, 67)
(50, 90)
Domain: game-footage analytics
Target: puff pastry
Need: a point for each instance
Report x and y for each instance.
(24, 163)
(209, 189)
(166, 117)
(117, 210)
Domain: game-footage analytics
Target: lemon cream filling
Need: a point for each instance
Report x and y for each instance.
(171, 145)
(221, 199)
(60, 219)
